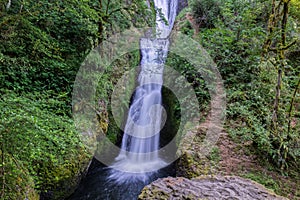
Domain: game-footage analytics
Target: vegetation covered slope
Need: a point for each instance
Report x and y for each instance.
(256, 47)
(42, 45)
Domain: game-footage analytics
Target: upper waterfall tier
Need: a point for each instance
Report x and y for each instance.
(140, 142)
(165, 16)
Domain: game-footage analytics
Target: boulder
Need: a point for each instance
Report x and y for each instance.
(207, 187)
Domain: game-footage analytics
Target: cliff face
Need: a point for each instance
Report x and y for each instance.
(181, 5)
(207, 187)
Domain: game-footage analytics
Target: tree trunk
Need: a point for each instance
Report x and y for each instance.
(276, 102)
(291, 107)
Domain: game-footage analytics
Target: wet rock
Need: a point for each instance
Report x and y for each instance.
(181, 5)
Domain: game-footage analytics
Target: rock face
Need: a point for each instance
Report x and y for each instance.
(181, 5)
(192, 163)
(207, 187)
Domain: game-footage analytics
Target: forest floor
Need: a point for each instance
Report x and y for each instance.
(240, 159)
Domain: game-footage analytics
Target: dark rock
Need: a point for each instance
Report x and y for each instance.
(207, 187)
(67, 185)
(181, 5)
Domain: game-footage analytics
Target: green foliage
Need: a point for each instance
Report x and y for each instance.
(283, 134)
(206, 12)
(116, 16)
(235, 42)
(193, 77)
(113, 74)
(251, 112)
(263, 179)
(121, 15)
(214, 156)
(41, 50)
(36, 133)
(295, 9)
(16, 183)
(282, 186)
(42, 45)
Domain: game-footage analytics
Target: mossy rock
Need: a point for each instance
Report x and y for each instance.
(46, 143)
(190, 166)
(192, 163)
(16, 181)
(66, 176)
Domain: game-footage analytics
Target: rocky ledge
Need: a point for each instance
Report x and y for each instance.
(207, 187)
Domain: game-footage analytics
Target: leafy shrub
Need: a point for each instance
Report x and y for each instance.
(235, 43)
(206, 12)
(295, 7)
(15, 180)
(46, 142)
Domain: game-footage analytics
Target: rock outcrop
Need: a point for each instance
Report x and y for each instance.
(207, 187)
(193, 160)
(181, 5)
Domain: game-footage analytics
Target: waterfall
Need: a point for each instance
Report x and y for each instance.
(140, 143)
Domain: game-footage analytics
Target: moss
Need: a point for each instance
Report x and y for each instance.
(285, 186)
(45, 143)
(67, 176)
(122, 72)
(154, 193)
(170, 104)
(16, 181)
(190, 166)
(192, 163)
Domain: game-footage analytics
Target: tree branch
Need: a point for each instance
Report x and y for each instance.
(283, 47)
(8, 4)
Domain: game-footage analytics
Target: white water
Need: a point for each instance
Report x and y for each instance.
(140, 143)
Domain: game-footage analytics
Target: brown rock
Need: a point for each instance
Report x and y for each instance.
(207, 187)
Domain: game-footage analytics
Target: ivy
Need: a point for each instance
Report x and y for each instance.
(44, 141)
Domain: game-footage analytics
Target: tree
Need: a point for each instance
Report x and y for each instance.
(274, 50)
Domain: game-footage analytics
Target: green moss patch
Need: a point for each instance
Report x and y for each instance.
(45, 141)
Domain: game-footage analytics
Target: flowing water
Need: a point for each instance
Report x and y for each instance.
(138, 162)
(140, 143)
